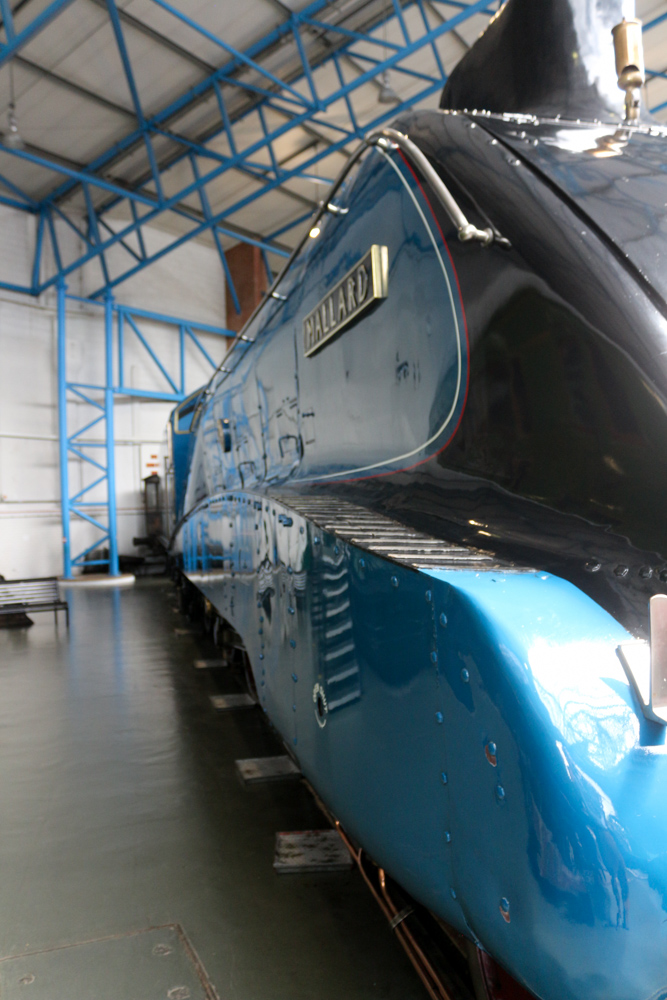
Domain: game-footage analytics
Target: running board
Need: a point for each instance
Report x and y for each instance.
(389, 539)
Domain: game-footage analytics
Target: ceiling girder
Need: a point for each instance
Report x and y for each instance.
(275, 80)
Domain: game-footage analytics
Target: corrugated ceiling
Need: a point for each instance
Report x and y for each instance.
(74, 104)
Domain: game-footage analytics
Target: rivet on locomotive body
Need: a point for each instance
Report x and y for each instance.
(439, 718)
(465, 676)
(500, 792)
(505, 909)
(428, 596)
(443, 619)
(434, 657)
(394, 581)
(444, 778)
(448, 837)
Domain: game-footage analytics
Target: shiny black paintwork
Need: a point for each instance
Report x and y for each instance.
(559, 455)
(544, 56)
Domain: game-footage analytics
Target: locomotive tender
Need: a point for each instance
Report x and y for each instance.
(428, 489)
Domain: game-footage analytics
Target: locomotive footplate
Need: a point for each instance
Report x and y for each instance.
(389, 539)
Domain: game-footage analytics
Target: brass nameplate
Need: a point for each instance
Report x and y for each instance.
(351, 296)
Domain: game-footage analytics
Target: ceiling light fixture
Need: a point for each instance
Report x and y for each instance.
(11, 136)
(387, 94)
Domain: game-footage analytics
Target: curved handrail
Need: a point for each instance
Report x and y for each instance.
(391, 137)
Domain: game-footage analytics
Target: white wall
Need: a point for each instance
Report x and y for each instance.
(187, 283)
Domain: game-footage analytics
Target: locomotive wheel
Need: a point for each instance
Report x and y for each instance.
(228, 641)
(490, 980)
(210, 617)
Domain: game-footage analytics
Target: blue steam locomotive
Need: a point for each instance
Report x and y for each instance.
(428, 488)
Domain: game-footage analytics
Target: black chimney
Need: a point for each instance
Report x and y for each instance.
(544, 57)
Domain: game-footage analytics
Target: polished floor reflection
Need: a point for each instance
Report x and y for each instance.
(121, 811)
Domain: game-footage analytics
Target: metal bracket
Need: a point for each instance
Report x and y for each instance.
(336, 209)
(391, 138)
(400, 917)
(645, 663)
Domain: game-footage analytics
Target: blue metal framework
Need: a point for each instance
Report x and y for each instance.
(98, 453)
(301, 101)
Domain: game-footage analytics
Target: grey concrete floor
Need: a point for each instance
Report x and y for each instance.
(121, 811)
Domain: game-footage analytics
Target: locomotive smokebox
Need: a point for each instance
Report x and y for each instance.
(555, 57)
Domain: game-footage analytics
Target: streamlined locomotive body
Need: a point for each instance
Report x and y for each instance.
(428, 488)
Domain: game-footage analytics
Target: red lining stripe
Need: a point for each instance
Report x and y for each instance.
(422, 461)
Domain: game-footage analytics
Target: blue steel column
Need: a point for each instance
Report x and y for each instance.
(62, 427)
(111, 458)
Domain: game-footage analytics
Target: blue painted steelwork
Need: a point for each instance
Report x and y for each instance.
(101, 512)
(17, 40)
(655, 22)
(62, 428)
(274, 94)
(112, 528)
